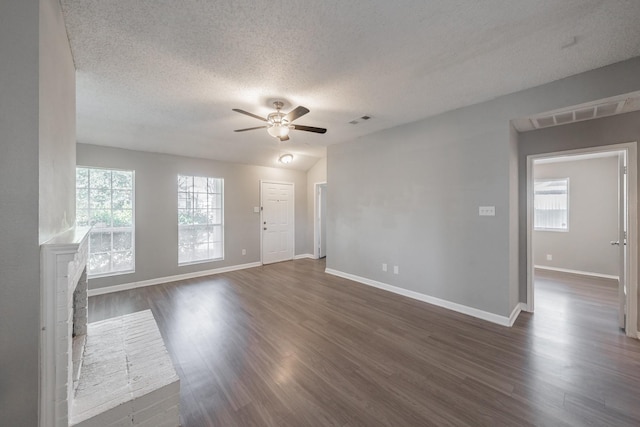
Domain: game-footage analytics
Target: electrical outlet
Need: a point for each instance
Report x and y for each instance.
(244, 252)
(396, 269)
(487, 211)
(549, 257)
(384, 267)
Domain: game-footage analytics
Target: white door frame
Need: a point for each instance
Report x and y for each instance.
(316, 218)
(293, 195)
(631, 326)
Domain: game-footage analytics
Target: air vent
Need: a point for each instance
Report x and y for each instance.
(585, 114)
(360, 119)
(606, 110)
(564, 118)
(571, 116)
(543, 122)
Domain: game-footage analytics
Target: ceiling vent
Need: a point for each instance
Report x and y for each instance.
(360, 119)
(578, 115)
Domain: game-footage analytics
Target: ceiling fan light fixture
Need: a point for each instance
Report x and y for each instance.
(286, 159)
(278, 130)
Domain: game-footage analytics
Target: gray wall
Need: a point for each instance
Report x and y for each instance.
(592, 133)
(156, 215)
(36, 114)
(410, 195)
(593, 217)
(318, 173)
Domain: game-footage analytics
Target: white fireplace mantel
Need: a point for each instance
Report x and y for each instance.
(63, 262)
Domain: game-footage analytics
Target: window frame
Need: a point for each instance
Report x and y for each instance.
(557, 230)
(112, 229)
(221, 224)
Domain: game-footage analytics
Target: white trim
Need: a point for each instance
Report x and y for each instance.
(63, 260)
(520, 307)
(168, 279)
(632, 219)
(470, 311)
(581, 273)
(316, 219)
(302, 256)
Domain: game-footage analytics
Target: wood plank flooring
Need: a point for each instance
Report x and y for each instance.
(288, 345)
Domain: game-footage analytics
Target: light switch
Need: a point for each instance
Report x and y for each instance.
(256, 209)
(487, 211)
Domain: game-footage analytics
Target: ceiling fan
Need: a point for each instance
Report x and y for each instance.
(279, 124)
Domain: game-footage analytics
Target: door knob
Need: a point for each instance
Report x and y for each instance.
(615, 243)
(264, 228)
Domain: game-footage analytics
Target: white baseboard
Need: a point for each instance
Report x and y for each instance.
(519, 308)
(582, 273)
(301, 256)
(470, 311)
(168, 279)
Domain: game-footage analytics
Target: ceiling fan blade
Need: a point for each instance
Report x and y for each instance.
(243, 130)
(309, 129)
(237, 110)
(296, 113)
(284, 138)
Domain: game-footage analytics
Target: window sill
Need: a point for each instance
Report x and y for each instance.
(114, 273)
(202, 261)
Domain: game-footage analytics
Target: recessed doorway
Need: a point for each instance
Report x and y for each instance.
(581, 232)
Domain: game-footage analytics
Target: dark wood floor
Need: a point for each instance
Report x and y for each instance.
(288, 345)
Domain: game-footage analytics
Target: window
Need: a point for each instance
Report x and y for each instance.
(200, 219)
(104, 200)
(551, 204)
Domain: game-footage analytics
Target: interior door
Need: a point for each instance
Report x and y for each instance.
(277, 200)
(622, 239)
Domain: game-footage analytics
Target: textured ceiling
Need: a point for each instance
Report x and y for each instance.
(163, 76)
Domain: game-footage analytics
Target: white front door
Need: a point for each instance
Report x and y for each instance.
(277, 223)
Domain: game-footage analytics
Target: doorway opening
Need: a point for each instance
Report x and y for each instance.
(581, 228)
(320, 220)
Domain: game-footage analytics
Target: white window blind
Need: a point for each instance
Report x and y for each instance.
(551, 204)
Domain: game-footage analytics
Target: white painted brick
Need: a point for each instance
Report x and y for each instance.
(126, 368)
